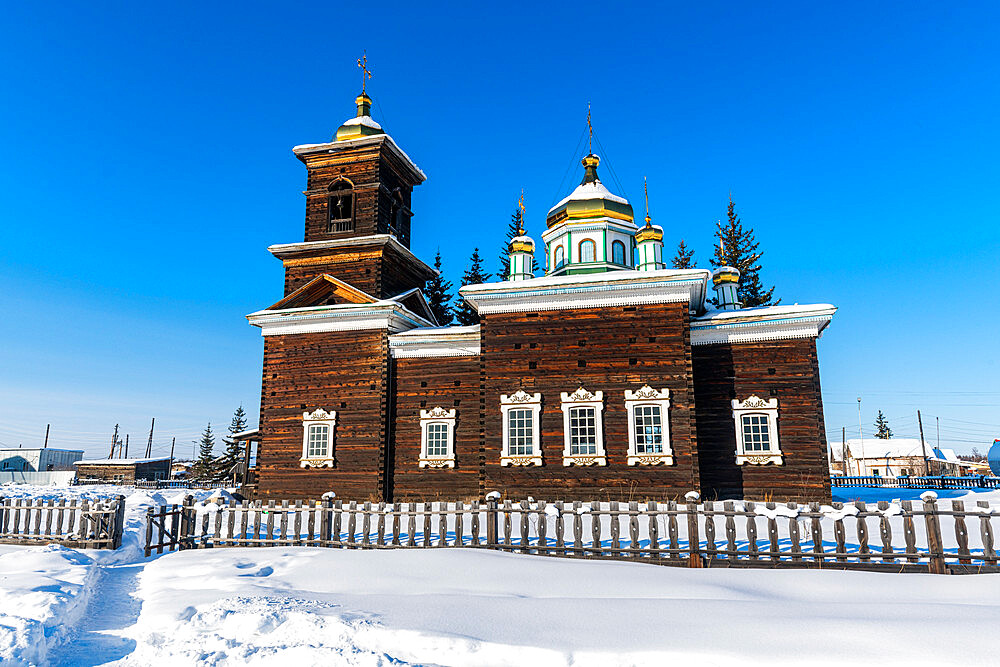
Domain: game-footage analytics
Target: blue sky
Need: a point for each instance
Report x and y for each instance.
(147, 166)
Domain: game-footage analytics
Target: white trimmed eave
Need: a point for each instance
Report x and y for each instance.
(593, 290)
(338, 317)
(283, 250)
(337, 146)
(751, 325)
(436, 342)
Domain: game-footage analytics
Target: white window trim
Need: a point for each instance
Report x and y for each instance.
(520, 399)
(646, 395)
(315, 418)
(581, 398)
(755, 405)
(437, 416)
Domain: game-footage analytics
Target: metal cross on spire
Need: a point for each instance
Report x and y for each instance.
(645, 190)
(590, 128)
(365, 72)
(520, 223)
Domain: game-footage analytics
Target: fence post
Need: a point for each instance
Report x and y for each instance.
(934, 542)
(325, 520)
(186, 537)
(149, 531)
(694, 539)
(119, 527)
(492, 515)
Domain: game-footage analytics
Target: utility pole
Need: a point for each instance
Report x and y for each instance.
(861, 439)
(149, 443)
(937, 420)
(843, 446)
(126, 446)
(923, 447)
(114, 441)
(170, 467)
(46, 445)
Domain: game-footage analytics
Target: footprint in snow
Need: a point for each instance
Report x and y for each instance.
(265, 571)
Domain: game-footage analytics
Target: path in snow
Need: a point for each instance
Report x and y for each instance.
(99, 637)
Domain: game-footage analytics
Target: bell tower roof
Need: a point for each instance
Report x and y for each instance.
(362, 125)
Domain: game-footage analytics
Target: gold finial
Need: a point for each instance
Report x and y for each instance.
(365, 72)
(590, 127)
(520, 223)
(645, 190)
(722, 251)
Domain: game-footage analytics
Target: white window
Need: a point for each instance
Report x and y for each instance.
(618, 253)
(437, 438)
(648, 426)
(559, 257)
(756, 422)
(583, 428)
(588, 251)
(317, 439)
(522, 445)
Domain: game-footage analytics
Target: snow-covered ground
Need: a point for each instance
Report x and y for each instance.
(309, 606)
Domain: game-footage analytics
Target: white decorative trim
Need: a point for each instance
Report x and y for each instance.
(339, 317)
(754, 405)
(622, 287)
(647, 396)
(436, 342)
(581, 398)
(437, 415)
(283, 250)
(318, 417)
(336, 146)
(749, 325)
(521, 399)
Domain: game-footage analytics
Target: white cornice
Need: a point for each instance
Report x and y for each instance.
(387, 315)
(594, 290)
(589, 225)
(282, 250)
(337, 146)
(750, 325)
(436, 342)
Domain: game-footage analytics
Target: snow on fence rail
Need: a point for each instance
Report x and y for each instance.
(895, 537)
(87, 524)
(932, 482)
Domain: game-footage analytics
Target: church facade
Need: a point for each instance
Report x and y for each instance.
(607, 377)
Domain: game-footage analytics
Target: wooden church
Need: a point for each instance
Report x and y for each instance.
(608, 377)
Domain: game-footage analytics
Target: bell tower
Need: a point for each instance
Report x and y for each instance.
(357, 221)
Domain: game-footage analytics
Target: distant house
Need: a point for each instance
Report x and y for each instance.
(38, 459)
(895, 457)
(123, 470)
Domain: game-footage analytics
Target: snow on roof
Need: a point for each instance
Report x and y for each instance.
(367, 121)
(120, 462)
(595, 190)
(768, 312)
(439, 331)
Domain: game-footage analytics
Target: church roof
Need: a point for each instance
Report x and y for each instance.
(590, 199)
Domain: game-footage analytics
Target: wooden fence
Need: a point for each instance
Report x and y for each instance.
(901, 537)
(84, 524)
(932, 482)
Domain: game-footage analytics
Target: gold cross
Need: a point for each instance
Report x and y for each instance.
(590, 143)
(365, 72)
(645, 191)
(520, 224)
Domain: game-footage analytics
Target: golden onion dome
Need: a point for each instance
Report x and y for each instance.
(590, 199)
(362, 125)
(725, 274)
(649, 233)
(521, 244)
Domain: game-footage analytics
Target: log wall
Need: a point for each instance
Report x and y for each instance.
(787, 370)
(341, 371)
(423, 384)
(606, 349)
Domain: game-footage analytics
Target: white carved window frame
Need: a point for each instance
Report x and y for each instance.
(521, 400)
(435, 416)
(318, 417)
(647, 396)
(581, 398)
(756, 406)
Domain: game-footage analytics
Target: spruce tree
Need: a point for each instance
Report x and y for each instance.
(739, 249)
(472, 276)
(204, 467)
(882, 429)
(684, 259)
(233, 454)
(439, 295)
